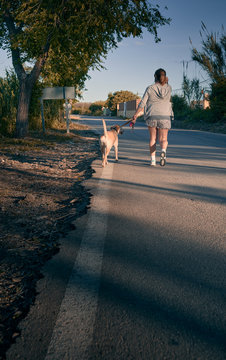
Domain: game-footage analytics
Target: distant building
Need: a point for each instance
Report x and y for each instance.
(206, 101)
(203, 104)
(127, 109)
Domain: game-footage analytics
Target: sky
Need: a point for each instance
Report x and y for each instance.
(131, 66)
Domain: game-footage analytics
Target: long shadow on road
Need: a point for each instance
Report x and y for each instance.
(208, 194)
(171, 284)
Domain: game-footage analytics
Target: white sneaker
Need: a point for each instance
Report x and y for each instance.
(153, 163)
(163, 158)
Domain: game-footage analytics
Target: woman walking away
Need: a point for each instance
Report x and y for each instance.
(158, 114)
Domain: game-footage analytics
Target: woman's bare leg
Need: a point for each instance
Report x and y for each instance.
(163, 135)
(153, 140)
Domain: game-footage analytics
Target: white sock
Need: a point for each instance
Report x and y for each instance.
(153, 159)
(164, 150)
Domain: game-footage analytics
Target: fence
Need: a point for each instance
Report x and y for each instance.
(127, 109)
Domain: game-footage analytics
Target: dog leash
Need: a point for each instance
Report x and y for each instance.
(127, 122)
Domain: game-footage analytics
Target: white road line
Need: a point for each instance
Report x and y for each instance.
(73, 330)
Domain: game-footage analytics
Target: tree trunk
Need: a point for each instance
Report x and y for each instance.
(26, 81)
(23, 108)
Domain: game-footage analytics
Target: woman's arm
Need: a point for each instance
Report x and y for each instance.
(138, 111)
(141, 106)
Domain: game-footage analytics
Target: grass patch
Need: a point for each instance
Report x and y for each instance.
(202, 125)
(59, 125)
(28, 143)
(36, 139)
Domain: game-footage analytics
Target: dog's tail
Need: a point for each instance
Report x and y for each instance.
(105, 128)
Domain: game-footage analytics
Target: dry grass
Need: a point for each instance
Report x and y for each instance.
(218, 127)
(37, 139)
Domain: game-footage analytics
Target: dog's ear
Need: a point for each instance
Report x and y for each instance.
(121, 131)
(117, 128)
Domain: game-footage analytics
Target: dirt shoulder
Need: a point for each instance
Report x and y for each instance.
(41, 193)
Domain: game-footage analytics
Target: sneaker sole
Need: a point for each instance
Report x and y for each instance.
(162, 159)
(162, 162)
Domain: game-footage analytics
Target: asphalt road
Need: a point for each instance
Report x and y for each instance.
(143, 274)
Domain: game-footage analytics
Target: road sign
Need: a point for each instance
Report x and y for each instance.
(56, 93)
(65, 92)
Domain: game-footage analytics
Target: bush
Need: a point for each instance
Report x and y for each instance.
(9, 91)
(118, 97)
(95, 108)
(76, 112)
(198, 114)
(180, 107)
(87, 112)
(34, 121)
(81, 108)
(217, 100)
(53, 110)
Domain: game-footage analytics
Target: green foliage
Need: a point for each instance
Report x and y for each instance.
(53, 110)
(187, 89)
(196, 115)
(197, 92)
(9, 90)
(78, 33)
(183, 112)
(212, 58)
(118, 97)
(76, 112)
(81, 108)
(64, 39)
(191, 90)
(95, 109)
(180, 107)
(217, 100)
(100, 102)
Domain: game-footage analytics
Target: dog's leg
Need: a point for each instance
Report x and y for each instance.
(105, 154)
(107, 150)
(103, 151)
(103, 162)
(116, 149)
(116, 152)
(104, 157)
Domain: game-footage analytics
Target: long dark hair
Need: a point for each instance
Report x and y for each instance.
(158, 74)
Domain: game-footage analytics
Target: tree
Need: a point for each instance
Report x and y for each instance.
(118, 97)
(95, 108)
(9, 89)
(191, 90)
(217, 100)
(180, 106)
(212, 58)
(63, 39)
(197, 92)
(187, 89)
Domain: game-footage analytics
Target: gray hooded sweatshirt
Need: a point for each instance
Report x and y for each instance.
(156, 102)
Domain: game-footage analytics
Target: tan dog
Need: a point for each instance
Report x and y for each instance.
(109, 139)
